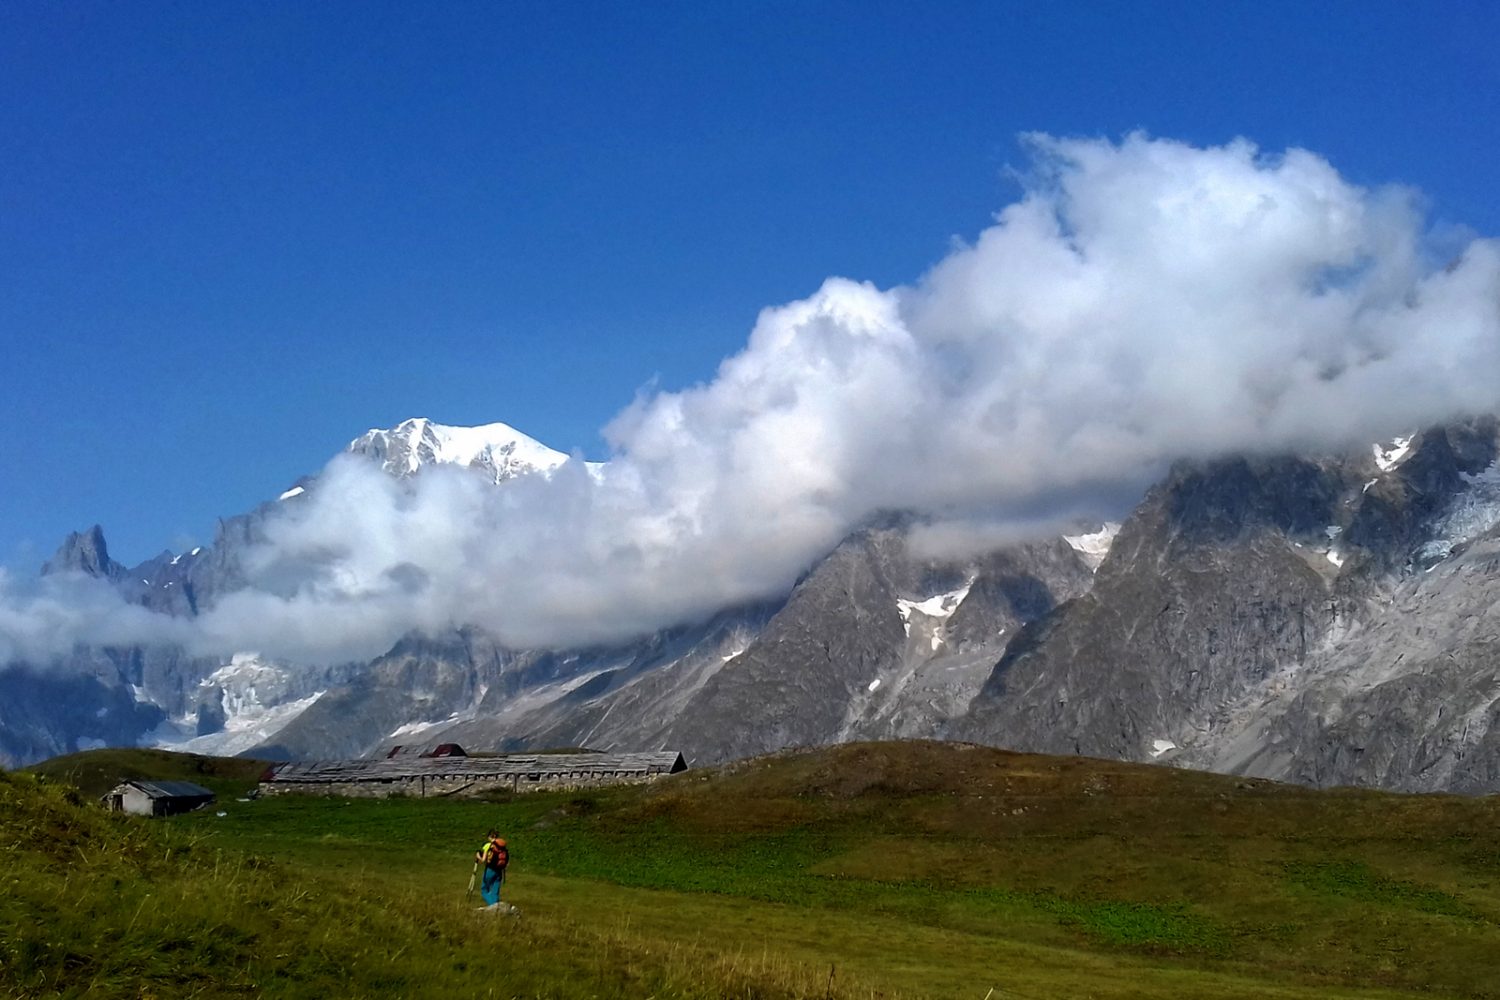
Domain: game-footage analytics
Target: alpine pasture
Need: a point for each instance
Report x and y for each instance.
(876, 870)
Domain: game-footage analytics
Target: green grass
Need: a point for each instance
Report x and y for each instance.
(875, 870)
(1357, 880)
(108, 906)
(94, 772)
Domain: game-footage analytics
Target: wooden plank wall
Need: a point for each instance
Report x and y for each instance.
(531, 766)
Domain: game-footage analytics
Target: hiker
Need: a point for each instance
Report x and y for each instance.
(494, 855)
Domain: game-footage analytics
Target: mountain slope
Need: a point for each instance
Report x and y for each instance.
(862, 648)
(1324, 619)
(1327, 622)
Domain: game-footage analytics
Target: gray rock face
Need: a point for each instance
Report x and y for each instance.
(1321, 619)
(854, 655)
(421, 678)
(1325, 622)
(613, 698)
(1399, 516)
(1203, 594)
(174, 584)
(120, 695)
(84, 552)
(840, 630)
(464, 687)
(1403, 692)
(52, 711)
(872, 643)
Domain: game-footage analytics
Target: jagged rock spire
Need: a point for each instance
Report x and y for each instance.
(84, 552)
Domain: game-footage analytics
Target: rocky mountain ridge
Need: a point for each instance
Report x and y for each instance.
(1322, 619)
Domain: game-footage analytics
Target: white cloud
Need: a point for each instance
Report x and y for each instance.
(1144, 301)
(46, 618)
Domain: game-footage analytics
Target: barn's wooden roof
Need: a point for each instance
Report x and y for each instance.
(506, 765)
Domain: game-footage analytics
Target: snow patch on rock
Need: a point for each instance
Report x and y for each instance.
(938, 606)
(257, 697)
(1474, 512)
(1388, 456)
(239, 734)
(1094, 545)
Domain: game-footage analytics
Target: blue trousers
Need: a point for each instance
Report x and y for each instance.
(490, 887)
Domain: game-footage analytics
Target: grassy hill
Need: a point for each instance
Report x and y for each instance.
(868, 870)
(94, 772)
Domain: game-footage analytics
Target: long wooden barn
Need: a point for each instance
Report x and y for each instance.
(457, 775)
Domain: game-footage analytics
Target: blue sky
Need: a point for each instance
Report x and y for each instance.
(234, 236)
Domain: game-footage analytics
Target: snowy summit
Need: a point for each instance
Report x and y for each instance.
(499, 449)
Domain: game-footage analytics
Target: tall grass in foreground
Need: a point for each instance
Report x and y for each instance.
(103, 906)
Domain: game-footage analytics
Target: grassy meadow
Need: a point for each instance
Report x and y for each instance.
(94, 772)
(871, 870)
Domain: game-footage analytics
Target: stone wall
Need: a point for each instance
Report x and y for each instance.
(458, 785)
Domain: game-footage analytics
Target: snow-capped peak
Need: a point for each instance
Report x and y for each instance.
(499, 449)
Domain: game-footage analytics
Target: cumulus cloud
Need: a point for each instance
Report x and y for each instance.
(1144, 300)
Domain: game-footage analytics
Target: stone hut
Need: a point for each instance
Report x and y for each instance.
(156, 798)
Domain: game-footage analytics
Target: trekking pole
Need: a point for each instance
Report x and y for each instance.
(473, 875)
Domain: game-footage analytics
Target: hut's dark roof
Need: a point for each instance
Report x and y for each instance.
(171, 789)
(506, 765)
(426, 750)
